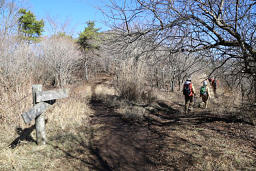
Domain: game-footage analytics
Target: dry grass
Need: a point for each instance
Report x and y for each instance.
(131, 81)
(13, 103)
(212, 151)
(64, 117)
(70, 113)
(132, 113)
(204, 146)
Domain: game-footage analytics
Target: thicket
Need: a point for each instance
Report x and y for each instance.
(140, 58)
(27, 58)
(181, 38)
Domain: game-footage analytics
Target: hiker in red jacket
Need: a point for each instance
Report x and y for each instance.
(213, 81)
(189, 93)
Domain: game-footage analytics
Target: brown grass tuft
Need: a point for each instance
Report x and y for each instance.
(131, 81)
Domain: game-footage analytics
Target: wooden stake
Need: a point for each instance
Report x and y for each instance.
(40, 121)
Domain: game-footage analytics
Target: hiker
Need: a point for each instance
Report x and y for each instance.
(204, 93)
(189, 93)
(213, 82)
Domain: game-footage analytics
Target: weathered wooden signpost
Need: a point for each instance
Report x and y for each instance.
(41, 102)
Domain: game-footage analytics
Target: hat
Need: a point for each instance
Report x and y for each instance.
(204, 83)
(189, 79)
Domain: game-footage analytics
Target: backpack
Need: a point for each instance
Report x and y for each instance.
(214, 83)
(187, 90)
(203, 90)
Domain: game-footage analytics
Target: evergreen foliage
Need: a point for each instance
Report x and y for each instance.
(29, 27)
(89, 38)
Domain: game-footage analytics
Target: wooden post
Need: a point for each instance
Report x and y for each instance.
(42, 100)
(40, 121)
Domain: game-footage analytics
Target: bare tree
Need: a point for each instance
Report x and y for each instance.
(57, 27)
(60, 54)
(165, 68)
(8, 16)
(15, 62)
(225, 28)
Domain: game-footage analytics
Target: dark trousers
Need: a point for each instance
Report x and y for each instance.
(189, 100)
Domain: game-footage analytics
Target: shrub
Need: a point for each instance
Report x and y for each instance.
(131, 81)
(15, 79)
(59, 55)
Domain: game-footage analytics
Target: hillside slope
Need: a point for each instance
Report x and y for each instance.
(96, 130)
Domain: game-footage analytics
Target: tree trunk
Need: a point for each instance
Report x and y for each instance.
(254, 82)
(156, 77)
(242, 92)
(86, 71)
(162, 80)
(172, 83)
(179, 78)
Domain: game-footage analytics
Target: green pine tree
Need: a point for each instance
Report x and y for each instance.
(89, 38)
(29, 28)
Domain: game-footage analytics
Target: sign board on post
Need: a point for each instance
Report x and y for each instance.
(40, 105)
(35, 111)
(43, 96)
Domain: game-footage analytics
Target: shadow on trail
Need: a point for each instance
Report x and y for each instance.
(24, 135)
(161, 114)
(208, 117)
(80, 148)
(112, 143)
(124, 145)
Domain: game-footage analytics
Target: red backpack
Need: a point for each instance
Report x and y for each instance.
(187, 89)
(214, 82)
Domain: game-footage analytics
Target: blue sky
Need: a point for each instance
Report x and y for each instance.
(73, 13)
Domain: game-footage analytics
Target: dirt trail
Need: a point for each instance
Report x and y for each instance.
(124, 146)
(166, 139)
(96, 130)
